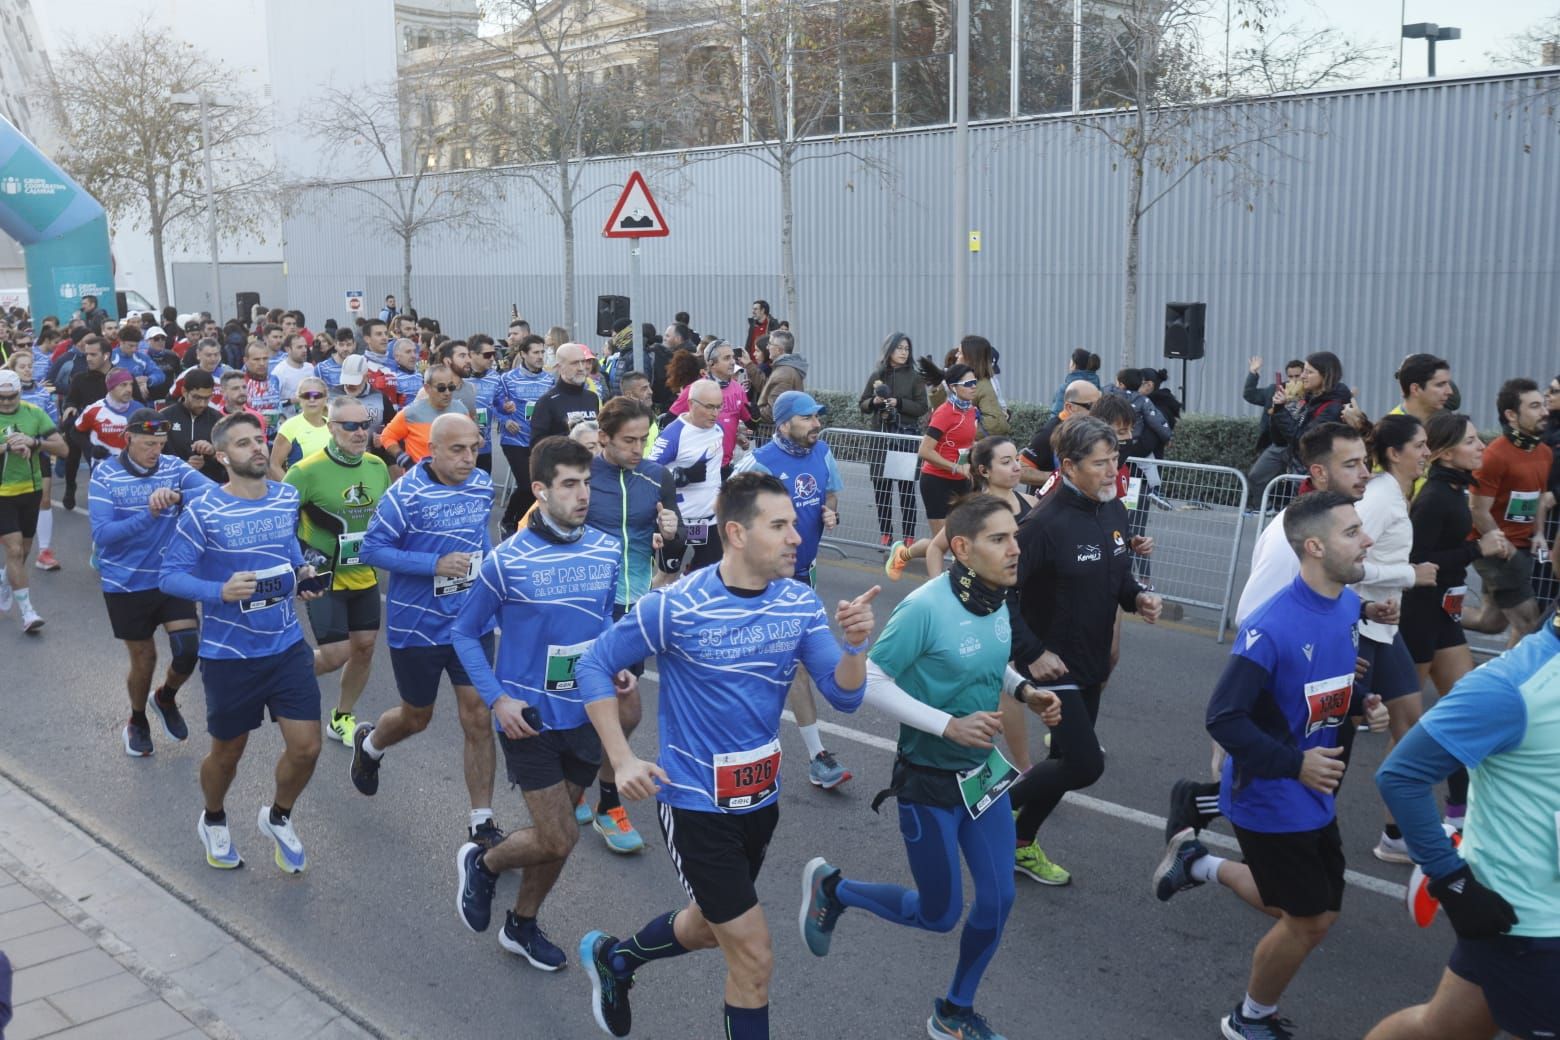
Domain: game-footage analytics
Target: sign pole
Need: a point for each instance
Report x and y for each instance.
(633, 302)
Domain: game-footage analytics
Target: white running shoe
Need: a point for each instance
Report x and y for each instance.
(31, 622)
(219, 845)
(1392, 850)
(289, 850)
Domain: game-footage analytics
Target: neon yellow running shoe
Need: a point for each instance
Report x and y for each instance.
(1031, 862)
(341, 726)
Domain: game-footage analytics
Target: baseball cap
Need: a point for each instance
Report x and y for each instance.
(10, 382)
(796, 402)
(354, 370)
(119, 375)
(155, 332)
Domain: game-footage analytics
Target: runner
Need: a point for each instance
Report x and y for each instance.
(1278, 709)
(234, 552)
(485, 380)
(690, 448)
(1502, 724)
(34, 392)
(550, 750)
(191, 420)
(338, 490)
(995, 469)
(803, 463)
(950, 432)
(430, 532)
(406, 437)
(1078, 398)
(344, 345)
(262, 393)
(306, 432)
(26, 435)
(134, 501)
(729, 639)
(570, 400)
(946, 647)
(104, 421)
(523, 385)
(720, 364)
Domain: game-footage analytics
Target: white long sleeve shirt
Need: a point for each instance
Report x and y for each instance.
(1384, 512)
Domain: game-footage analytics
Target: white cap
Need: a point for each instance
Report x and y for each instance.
(354, 370)
(10, 382)
(155, 332)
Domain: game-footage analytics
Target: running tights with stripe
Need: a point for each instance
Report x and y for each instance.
(934, 838)
(1076, 762)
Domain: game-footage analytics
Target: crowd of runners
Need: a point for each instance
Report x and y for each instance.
(243, 475)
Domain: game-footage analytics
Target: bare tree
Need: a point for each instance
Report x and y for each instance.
(138, 151)
(1525, 50)
(409, 197)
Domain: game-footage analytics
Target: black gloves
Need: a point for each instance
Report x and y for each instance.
(929, 370)
(694, 474)
(1476, 912)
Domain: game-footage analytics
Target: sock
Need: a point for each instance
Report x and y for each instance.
(370, 750)
(813, 741)
(216, 819)
(480, 816)
(138, 719)
(1250, 1010)
(1206, 868)
(163, 695)
(655, 941)
(1456, 811)
(950, 1008)
(1393, 831)
(609, 798)
(45, 534)
(23, 600)
(279, 814)
(747, 1023)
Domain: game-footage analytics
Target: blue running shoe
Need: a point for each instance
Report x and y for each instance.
(220, 852)
(582, 814)
(1174, 872)
(529, 941)
(608, 989)
(820, 911)
(289, 850)
(825, 771)
(616, 830)
(963, 1024)
(1236, 1026)
(474, 896)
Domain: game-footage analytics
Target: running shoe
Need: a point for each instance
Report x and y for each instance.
(341, 727)
(486, 834)
(886, 540)
(138, 740)
(365, 769)
(823, 771)
(616, 830)
(962, 1024)
(1193, 805)
(608, 989)
(530, 942)
(1032, 863)
(820, 911)
(172, 718)
(1392, 850)
(898, 560)
(1236, 1026)
(1174, 873)
(69, 502)
(582, 813)
(31, 622)
(289, 850)
(7, 597)
(220, 852)
(474, 896)
(47, 561)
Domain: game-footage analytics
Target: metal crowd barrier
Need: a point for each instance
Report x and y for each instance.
(880, 472)
(1280, 491)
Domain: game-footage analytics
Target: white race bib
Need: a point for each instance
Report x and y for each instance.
(443, 586)
(349, 549)
(273, 585)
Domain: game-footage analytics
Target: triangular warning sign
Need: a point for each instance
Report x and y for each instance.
(636, 215)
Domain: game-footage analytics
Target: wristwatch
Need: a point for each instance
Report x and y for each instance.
(1018, 692)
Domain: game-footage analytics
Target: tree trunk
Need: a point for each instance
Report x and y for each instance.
(406, 269)
(793, 310)
(162, 267)
(566, 212)
(1129, 299)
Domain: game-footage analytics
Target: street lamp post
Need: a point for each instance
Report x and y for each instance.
(1431, 33)
(204, 103)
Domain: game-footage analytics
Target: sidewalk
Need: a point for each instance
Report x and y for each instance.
(85, 977)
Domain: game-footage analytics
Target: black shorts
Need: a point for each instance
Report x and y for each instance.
(938, 493)
(618, 611)
(1299, 872)
(718, 856)
(1426, 627)
(342, 611)
(135, 616)
(240, 691)
(1391, 673)
(1508, 582)
(552, 757)
(1517, 975)
(418, 669)
(19, 513)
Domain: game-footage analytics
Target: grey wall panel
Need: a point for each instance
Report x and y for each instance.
(1420, 216)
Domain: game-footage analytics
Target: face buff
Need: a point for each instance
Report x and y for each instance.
(978, 598)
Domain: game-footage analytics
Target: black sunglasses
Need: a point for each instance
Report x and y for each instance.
(489, 353)
(443, 388)
(311, 395)
(10, 397)
(353, 425)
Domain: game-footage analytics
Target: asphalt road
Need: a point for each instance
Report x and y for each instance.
(372, 924)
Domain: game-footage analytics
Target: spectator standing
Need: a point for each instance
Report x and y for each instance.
(1272, 455)
(787, 371)
(1323, 398)
(1082, 366)
(389, 310)
(760, 323)
(757, 369)
(895, 399)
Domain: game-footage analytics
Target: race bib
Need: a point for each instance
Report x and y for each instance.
(349, 549)
(744, 779)
(1522, 507)
(1452, 602)
(530, 410)
(560, 667)
(698, 533)
(1328, 701)
(272, 586)
(1134, 490)
(983, 785)
(482, 418)
(443, 586)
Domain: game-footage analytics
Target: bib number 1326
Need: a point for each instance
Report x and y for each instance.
(744, 779)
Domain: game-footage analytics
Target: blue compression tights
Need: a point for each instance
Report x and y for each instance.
(933, 840)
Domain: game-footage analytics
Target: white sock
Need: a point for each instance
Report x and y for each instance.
(1250, 1010)
(813, 741)
(45, 535)
(370, 750)
(1206, 868)
(480, 816)
(23, 600)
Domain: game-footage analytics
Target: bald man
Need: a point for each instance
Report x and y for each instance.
(1037, 460)
(569, 402)
(430, 532)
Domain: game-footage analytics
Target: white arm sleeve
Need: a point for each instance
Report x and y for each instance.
(1010, 681)
(884, 695)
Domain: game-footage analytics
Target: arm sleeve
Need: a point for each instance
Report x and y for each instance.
(179, 561)
(1230, 721)
(885, 696)
(381, 542)
(820, 656)
(1407, 782)
(481, 606)
(636, 636)
(1482, 715)
(106, 530)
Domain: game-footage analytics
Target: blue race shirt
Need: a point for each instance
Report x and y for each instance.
(417, 521)
(330, 371)
(43, 399)
(522, 389)
(1285, 690)
(551, 601)
(726, 662)
(137, 364)
(218, 535)
(130, 540)
(808, 479)
(486, 387)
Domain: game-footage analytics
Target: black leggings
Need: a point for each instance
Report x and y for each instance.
(909, 513)
(520, 499)
(1076, 762)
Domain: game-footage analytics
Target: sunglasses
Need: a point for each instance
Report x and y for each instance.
(10, 397)
(969, 384)
(443, 388)
(489, 354)
(311, 395)
(354, 425)
(1080, 405)
(154, 427)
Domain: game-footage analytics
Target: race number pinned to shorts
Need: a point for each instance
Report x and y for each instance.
(1522, 507)
(982, 786)
(560, 666)
(698, 533)
(745, 779)
(1134, 492)
(1328, 701)
(272, 586)
(349, 549)
(1452, 602)
(443, 586)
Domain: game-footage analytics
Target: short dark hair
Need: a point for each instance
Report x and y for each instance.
(205, 342)
(528, 341)
(233, 374)
(1131, 378)
(1293, 363)
(91, 339)
(130, 334)
(737, 502)
(345, 334)
(88, 296)
(681, 318)
(620, 411)
(968, 518)
(1078, 436)
(1509, 399)
(288, 340)
(199, 379)
(1307, 514)
(632, 377)
(762, 303)
(1316, 444)
(219, 433)
(519, 323)
(270, 328)
(1111, 409)
(1392, 433)
(1418, 370)
(368, 326)
(550, 453)
(446, 350)
(478, 340)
